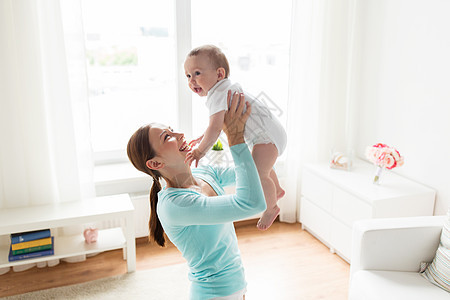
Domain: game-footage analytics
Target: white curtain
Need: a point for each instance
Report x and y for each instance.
(45, 153)
(318, 84)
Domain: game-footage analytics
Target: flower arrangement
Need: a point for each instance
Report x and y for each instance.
(383, 156)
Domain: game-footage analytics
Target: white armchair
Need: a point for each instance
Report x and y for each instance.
(386, 257)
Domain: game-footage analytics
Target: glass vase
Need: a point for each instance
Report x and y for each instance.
(378, 173)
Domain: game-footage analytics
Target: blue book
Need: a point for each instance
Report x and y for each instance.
(47, 252)
(29, 236)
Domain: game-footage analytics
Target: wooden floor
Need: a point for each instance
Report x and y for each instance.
(292, 261)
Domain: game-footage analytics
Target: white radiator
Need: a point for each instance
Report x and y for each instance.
(141, 216)
(141, 204)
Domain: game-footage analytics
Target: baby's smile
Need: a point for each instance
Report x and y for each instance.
(197, 89)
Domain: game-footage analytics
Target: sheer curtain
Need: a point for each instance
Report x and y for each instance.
(318, 84)
(45, 155)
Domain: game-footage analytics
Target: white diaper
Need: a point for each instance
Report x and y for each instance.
(260, 136)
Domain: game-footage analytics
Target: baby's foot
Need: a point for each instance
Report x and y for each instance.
(268, 217)
(280, 193)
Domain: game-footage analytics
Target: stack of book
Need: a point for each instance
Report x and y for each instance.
(31, 244)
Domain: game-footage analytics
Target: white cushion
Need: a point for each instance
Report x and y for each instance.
(395, 244)
(386, 285)
(438, 272)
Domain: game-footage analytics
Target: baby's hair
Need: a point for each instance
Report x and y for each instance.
(216, 56)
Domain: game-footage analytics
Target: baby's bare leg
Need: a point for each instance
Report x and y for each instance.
(280, 191)
(265, 156)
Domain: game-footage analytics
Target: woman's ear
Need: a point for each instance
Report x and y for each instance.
(220, 73)
(153, 164)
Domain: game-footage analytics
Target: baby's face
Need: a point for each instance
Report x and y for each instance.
(201, 74)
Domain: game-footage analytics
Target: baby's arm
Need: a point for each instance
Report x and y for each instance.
(209, 138)
(212, 132)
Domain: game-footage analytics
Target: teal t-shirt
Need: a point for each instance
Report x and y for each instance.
(201, 227)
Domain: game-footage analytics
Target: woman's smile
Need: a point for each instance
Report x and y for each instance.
(185, 147)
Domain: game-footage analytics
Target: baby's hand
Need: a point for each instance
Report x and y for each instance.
(196, 141)
(192, 155)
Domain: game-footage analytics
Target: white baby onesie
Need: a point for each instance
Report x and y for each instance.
(262, 126)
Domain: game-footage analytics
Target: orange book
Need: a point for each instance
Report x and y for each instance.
(29, 244)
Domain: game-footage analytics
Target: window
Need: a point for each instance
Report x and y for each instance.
(130, 48)
(132, 71)
(255, 37)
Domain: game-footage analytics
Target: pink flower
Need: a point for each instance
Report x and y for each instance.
(380, 145)
(384, 156)
(390, 162)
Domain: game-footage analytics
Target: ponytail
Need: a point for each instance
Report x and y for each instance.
(155, 228)
(139, 151)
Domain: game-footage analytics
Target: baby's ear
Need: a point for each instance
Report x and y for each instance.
(220, 73)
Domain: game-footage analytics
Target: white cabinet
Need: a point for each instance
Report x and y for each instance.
(333, 199)
(30, 218)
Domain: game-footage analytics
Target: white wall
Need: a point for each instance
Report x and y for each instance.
(402, 93)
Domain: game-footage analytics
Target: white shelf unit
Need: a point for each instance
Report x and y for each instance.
(14, 220)
(333, 199)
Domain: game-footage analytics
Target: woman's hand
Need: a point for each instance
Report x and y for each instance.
(235, 118)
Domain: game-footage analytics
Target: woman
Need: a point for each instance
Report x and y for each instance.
(193, 209)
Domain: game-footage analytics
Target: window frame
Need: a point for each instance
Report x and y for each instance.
(112, 171)
(183, 41)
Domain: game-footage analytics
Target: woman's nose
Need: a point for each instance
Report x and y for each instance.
(179, 135)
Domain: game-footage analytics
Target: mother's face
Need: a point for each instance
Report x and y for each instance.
(170, 147)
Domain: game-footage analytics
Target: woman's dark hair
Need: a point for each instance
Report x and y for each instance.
(139, 152)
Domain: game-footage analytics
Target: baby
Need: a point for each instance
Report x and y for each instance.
(207, 71)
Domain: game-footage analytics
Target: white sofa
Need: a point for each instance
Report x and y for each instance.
(386, 257)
